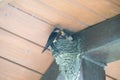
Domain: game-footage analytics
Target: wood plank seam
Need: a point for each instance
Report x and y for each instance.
(63, 14)
(37, 45)
(10, 71)
(21, 65)
(80, 13)
(40, 46)
(30, 14)
(111, 77)
(39, 67)
(22, 37)
(28, 67)
(40, 20)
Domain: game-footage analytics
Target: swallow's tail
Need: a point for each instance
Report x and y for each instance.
(43, 50)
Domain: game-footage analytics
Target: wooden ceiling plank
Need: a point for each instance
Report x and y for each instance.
(24, 25)
(107, 78)
(69, 8)
(35, 7)
(117, 2)
(10, 71)
(102, 7)
(4, 2)
(24, 52)
(113, 69)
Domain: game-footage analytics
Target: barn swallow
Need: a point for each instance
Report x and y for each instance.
(56, 33)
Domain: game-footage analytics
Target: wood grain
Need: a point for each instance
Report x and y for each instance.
(49, 14)
(107, 78)
(24, 25)
(70, 8)
(4, 2)
(102, 7)
(116, 2)
(10, 71)
(113, 69)
(30, 19)
(23, 52)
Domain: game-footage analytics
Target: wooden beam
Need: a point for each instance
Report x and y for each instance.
(101, 41)
(91, 71)
(52, 72)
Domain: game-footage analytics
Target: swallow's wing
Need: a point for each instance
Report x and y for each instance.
(51, 38)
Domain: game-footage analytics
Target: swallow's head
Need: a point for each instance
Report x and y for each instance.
(63, 33)
(57, 30)
(60, 31)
